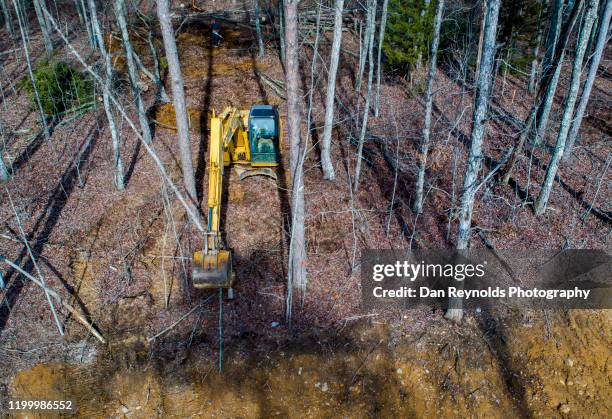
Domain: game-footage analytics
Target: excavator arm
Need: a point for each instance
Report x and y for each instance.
(212, 265)
(230, 143)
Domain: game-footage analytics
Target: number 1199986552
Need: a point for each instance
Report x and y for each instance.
(40, 405)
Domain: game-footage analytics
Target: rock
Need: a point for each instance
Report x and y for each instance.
(569, 362)
(399, 371)
(564, 408)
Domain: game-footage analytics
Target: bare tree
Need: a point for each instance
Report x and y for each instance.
(365, 48)
(424, 148)
(326, 163)
(568, 111)
(6, 14)
(260, 43)
(531, 85)
(297, 247)
(281, 24)
(600, 43)
(481, 103)
(366, 109)
(26, 52)
(120, 12)
(381, 39)
(551, 73)
(554, 30)
(545, 94)
(480, 41)
(180, 104)
(112, 126)
(42, 21)
(4, 174)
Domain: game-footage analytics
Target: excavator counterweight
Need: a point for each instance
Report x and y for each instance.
(251, 141)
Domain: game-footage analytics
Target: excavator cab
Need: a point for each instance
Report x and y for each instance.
(264, 136)
(251, 140)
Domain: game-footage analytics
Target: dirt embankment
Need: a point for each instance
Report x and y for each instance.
(519, 367)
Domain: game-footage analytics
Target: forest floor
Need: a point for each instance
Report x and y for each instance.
(119, 256)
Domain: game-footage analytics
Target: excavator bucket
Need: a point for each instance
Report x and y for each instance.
(212, 270)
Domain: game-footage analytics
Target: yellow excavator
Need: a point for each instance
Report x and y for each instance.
(250, 140)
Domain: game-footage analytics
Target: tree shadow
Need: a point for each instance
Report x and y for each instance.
(48, 219)
(34, 146)
(496, 337)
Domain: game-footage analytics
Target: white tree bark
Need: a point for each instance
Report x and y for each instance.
(600, 44)
(568, 111)
(26, 52)
(481, 103)
(297, 247)
(419, 62)
(4, 174)
(480, 41)
(260, 43)
(554, 30)
(381, 39)
(180, 104)
(43, 26)
(6, 14)
(112, 126)
(326, 162)
(424, 149)
(120, 12)
(281, 24)
(536, 52)
(549, 94)
(365, 48)
(366, 110)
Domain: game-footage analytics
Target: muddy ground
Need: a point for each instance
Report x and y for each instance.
(120, 258)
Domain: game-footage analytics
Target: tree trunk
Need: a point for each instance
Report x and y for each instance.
(536, 52)
(180, 105)
(424, 10)
(570, 101)
(553, 72)
(87, 23)
(424, 149)
(43, 26)
(161, 90)
(600, 43)
(120, 12)
(545, 92)
(6, 14)
(381, 39)
(43, 117)
(297, 247)
(481, 102)
(260, 42)
(281, 24)
(364, 50)
(366, 109)
(326, 162)
(112, 126)
(480, 40)
(552, 37)
(4, 174)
